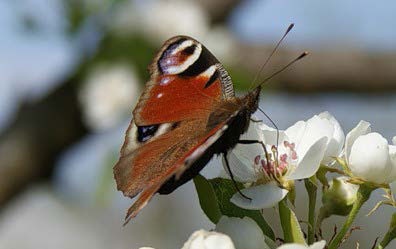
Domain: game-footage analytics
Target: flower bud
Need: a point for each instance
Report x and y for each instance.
(245, 232)
(338, 198)
(208, 240)
(369, 156)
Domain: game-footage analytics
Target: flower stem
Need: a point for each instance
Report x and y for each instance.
(363, 195)
(390, 235)
(312, 193)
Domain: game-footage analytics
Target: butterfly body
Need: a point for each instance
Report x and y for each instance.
(187, 113)
(236, 126)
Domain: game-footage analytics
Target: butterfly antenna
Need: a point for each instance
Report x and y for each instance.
(305, 53)
(271, 54)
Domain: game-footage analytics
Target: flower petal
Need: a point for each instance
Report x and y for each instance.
(316, 129)
(202, 239)
(336, 141)
(369, 157)
(392, 164)
(263, 196)
(310, 163)
(361, 129)
(305, 134)
(218, 241)
(241, 160)
(245, 232)
(253, 132)
(317, 245)
(293, 246)
(296, 131)
(270, 135)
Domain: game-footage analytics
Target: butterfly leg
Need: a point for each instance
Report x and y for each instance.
(232, 177)
(257, 142)
(267, 157)
(256, 120)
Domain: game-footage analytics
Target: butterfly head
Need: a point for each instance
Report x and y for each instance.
(251, 100)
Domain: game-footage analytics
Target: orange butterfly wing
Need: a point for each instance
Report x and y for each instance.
(186, 81)
(172, 125)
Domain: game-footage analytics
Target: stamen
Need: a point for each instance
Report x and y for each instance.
(257, 159)
(294, 155)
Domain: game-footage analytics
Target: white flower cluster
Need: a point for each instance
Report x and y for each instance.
(269, 168)
(297, 153)
(235, 233)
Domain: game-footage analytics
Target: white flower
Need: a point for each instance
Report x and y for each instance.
(300, 151)
(320, 125)
(245, 232)
(369, 156)
(202, 239)
(318, 245)
(108, 95)
(335, 135)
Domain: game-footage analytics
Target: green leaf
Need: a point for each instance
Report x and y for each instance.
(225, 189)
(214, 197)
(207, 198)
(291, 227)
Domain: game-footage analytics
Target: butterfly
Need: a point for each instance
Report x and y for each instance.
(187, 113)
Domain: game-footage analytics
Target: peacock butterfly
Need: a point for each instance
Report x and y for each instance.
(187, 113)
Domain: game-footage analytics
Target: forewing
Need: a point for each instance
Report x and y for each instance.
(186, 81)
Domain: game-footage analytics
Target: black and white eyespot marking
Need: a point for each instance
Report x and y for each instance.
(144, 133)
(204, 61)
(189, 50)
(188, 58)
(161, 65)
(212, 79)
(178, 56)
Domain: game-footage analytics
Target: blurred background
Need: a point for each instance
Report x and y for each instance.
(72, 70)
